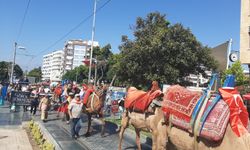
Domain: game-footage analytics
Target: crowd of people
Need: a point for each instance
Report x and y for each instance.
(67, 99)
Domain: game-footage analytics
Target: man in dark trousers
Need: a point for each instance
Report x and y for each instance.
(33, 105)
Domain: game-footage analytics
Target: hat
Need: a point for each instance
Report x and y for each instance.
(70, 93)
(77, 95)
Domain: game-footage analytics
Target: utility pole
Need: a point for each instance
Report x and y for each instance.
(92, 41)
(13, 63)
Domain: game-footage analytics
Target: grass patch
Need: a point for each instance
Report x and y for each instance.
(43, 143)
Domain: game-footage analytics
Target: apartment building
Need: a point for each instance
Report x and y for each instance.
(46, 67)
(245, 32)
(52, 67)
(57, 63)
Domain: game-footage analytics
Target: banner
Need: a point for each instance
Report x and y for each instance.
(20, 98)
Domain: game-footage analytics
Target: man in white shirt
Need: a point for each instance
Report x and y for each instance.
(75, 110)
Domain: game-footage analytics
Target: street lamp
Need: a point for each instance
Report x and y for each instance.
(14, 60)
(92, 42)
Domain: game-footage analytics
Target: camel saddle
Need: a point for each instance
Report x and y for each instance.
(202, 114)
(138, 100)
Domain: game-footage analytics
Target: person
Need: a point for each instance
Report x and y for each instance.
(44, 107)
(108, 102)
(33, 105)
(66, 105)
(75, 109)
(83, 90)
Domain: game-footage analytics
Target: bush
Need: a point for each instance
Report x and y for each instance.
(38, 137)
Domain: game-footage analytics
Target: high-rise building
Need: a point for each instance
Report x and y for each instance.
(52, 67)
(57, 66)
(245, 32)
(76, 51)
(57, 63)
(46, 67)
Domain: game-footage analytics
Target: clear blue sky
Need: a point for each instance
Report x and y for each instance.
(211, 21)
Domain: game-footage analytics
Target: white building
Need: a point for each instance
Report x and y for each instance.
(59, 62)
(52, 66)
(76, 51)
(46, 67)
(57, 66)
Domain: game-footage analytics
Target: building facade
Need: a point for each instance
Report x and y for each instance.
(46, 67)
(245, 32)
(75, 53)
(52, 67)
(57, 63)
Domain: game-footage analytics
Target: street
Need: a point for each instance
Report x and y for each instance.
(58, 132)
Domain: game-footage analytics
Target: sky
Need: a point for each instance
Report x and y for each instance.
(211, 21)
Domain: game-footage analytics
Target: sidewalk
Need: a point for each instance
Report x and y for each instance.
(12, 135)
(14, 139)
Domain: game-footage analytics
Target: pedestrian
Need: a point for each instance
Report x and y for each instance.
(66, 105)
(75, 109)
(44, 107)
(108, 102)
(33, 105)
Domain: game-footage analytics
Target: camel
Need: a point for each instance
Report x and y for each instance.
(150, 121)
(95, 106)
(182, 140)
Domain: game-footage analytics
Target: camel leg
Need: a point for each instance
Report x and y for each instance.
(138, 141)
(162, 138)
(154, 139)
(89, 125)
(103, 125)
(124, 125)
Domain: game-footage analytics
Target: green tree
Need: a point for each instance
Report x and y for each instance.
(161, 51)
(5, 69)
(77, 74)
(18, 72)
(236, 70)
(102, 55)
(37, 73)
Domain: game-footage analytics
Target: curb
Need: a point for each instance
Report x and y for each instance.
(48, 136)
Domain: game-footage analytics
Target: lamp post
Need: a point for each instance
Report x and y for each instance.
(92, 42)
(14, 61)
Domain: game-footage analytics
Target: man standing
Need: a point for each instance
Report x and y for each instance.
(44, 107)
(75, 109)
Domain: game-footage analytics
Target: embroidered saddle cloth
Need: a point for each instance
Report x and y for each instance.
(140, 100)
(182, 112)
(215, 124)
(180, 102)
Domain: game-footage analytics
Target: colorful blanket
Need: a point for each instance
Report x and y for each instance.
(139, 100)
(180, 102)
(215, 123)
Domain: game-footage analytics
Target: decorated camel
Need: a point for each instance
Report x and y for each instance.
(144, 113)
(189, 120)
(94, 102)
(221, 123)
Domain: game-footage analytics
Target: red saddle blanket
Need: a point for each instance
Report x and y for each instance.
(140, 100)
(215, 125)
(180, 101)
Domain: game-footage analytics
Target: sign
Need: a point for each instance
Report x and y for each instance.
(20, 98)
